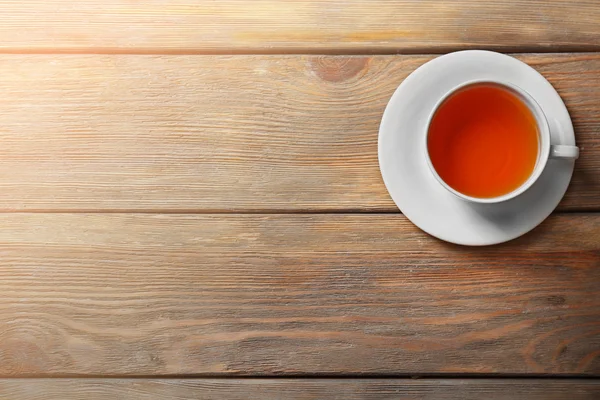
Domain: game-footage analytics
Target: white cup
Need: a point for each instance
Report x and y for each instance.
(546, 149)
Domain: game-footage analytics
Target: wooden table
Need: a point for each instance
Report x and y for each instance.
(190, 198)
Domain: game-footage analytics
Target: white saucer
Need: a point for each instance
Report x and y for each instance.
(412, 185)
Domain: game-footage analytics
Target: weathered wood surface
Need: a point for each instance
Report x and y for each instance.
(298, 389)
(226, 133)
(139, 294)
(298, 25)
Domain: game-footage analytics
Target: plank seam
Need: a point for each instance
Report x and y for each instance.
(343, 211)
(316, 376)
(417, 51)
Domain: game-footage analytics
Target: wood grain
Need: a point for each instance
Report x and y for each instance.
(298, 25)
(140, 294)
(298, 389)
(226, 133)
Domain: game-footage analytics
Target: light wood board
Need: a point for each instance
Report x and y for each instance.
(138, 294)
(268, 26)
(226, 133)
(298, 389)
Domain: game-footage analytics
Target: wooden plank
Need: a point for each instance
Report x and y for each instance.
(142, 294)
(299, 389)
(298, 25)
(214, 133)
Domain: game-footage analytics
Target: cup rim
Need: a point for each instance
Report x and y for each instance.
(543, 131)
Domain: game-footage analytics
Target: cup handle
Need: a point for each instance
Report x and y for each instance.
(564, 151)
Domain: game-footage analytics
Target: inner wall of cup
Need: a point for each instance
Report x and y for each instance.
(539, 117)
(534, 111)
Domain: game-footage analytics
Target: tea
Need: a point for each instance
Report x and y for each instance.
(483, 141)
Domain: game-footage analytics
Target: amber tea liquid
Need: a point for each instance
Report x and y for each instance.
(483, 141)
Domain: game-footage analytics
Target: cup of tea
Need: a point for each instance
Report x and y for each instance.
(489, 141)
